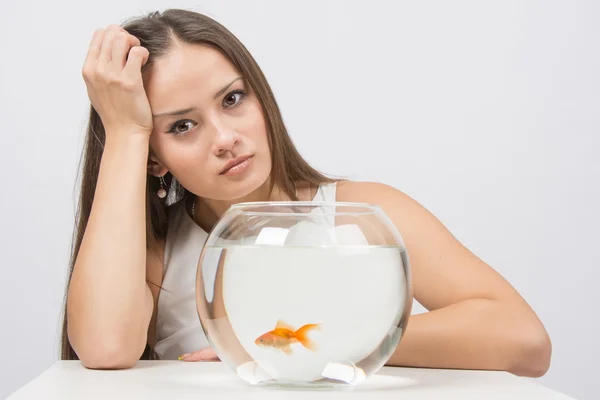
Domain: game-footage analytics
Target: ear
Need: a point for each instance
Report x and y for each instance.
(155, 167)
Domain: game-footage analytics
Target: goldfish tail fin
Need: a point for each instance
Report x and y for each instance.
(301, 335)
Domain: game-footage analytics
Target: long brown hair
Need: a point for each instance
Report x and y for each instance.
(157, 32)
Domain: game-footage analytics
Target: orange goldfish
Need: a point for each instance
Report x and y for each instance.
(283, 336)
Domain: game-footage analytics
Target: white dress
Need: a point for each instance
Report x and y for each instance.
(178, 328)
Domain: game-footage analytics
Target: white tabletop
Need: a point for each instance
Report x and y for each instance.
(150, 380)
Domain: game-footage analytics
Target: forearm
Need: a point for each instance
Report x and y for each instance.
(108, 295)
(475, 334)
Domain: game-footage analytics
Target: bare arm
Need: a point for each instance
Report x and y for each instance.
(109, 304)
(477, 320)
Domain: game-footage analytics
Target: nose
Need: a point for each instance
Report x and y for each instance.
(225, 137)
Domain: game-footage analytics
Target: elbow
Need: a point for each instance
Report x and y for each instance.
(534, 355)
(108, 357)
(107, 360)
(107, 353)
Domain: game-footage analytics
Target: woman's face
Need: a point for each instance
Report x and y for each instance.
(205, 118)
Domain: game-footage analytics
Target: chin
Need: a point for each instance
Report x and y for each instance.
(237, 191)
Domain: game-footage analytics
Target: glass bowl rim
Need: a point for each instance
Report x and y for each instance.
(368, 208)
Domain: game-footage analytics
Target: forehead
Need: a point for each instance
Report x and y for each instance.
(187, 71)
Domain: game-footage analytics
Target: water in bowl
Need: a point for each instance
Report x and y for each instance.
(301, 316)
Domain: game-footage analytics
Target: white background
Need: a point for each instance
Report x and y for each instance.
(485, 112)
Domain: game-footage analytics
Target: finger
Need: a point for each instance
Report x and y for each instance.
(206, 354)
(89, 68)
(138, 56)
(107, 43)
(95, 45)
(123, 42)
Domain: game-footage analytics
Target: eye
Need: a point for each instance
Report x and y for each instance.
(234, 98)
(181, 127)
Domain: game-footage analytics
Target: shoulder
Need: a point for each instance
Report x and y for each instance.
(409, 216)
(376, 193)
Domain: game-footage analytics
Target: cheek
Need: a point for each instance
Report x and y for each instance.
(255, 125)
(261, 143)
(164, 147)
(177, 154)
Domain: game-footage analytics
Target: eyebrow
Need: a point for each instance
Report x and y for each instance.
(187, 110)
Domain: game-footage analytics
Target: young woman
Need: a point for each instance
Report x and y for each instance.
(180, 107)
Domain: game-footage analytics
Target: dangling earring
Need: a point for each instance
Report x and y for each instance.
(162, 192)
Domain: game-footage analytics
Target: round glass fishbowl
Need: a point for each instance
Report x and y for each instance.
(304, 294)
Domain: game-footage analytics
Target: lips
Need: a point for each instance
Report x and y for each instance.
(233, 163)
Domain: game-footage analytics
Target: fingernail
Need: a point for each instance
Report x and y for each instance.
(183, 356)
